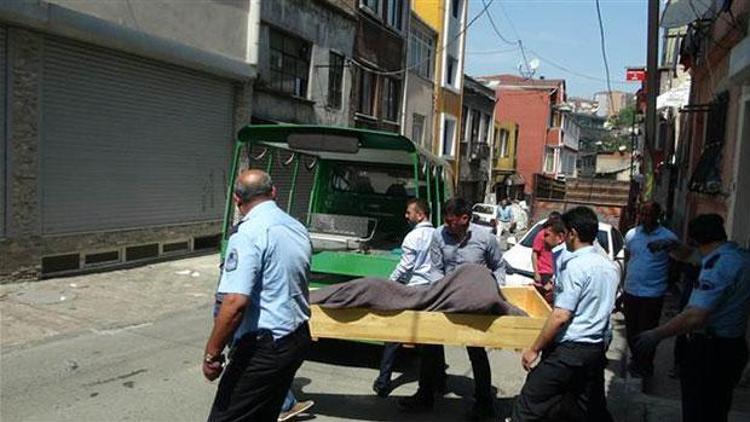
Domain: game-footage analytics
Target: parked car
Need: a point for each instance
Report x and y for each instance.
(609, 241)
(484, 215)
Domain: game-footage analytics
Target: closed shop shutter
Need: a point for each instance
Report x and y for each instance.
(3, 142)
(129, 142)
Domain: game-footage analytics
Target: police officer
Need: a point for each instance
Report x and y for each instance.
(568, 381)
(264, 308)
(715, 321)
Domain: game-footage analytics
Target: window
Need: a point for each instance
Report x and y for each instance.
(451, 67)
(371, 179)
(417, 128)
(390, 99)
(504, 135)
(366, 92)
(549, 160)
(421, 52)
(476, 118)
(373, 5)
(335, 78)
(290, 63)
(464, 117)
(394, 13)
(484, 134)
(449, 133)
(455, 8)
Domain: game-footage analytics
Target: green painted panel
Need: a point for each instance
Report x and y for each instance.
(354, 264)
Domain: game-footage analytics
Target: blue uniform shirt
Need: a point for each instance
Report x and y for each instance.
(724, 290)
(587, 288)
(504, 214)
(647, 272)
(268, 260)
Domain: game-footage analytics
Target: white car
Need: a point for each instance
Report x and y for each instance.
(609, 241)
(484, 215)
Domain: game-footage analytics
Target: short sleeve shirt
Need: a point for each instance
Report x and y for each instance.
(724, 290)
(268, 260)
(647, 272)
(587, 288)
(505, 214)
(545, 263)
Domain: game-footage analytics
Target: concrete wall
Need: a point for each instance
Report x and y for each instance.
(420, 99)
(214, 25)
(530, 110)
(327, 28)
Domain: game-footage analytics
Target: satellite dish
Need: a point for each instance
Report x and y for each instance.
(534, 64)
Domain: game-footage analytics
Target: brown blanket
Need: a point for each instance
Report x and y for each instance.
(470, 289)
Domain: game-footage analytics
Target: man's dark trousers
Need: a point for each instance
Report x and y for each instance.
(390, 350)
(641, 314)
(432, 367)
(566, 385)
(710, 369)
(259, 375)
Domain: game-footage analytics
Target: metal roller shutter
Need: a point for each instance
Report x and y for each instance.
(129, 142)
(3, 143)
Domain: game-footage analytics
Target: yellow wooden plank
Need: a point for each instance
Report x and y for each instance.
(421, 327)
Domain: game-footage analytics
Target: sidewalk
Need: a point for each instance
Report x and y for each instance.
(37, 311)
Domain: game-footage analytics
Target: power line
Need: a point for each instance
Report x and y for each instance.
(604, 54)
(571, 71)
(500, 51)
(439, 50)
(500, 35)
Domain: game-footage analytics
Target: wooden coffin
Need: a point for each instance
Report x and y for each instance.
(419, 327)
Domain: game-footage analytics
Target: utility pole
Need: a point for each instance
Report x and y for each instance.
(652, 72)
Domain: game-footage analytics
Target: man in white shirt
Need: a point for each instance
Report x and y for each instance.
(414, 269)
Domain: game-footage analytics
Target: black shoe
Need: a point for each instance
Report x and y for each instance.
(442, 385)
(417, 403)
(480, 412)
(381, 389)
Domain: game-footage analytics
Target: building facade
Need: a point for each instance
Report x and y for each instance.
(305, 74)
(419, 96)
(506, 183)
(117, 123)
(379, 59)
(448, 18)
(535, 106)
(709, 173)
(477, 130)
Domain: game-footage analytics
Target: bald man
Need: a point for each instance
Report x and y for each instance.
(265, 307)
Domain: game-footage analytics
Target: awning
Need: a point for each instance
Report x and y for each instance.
(676, 97)
(681, 12)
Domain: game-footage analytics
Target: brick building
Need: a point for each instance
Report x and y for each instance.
(533, 104)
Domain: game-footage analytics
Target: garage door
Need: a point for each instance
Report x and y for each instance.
(129, 142)
(3, 143)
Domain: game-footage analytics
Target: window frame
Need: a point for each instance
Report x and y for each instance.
(444, 120)
(335, 80)
(372, 77)
(277, 75)
(421, 55)
(391, 96)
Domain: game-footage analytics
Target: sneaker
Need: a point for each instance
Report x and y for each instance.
(382, 390)
(480, 412)
(415, 404)
(299, 407)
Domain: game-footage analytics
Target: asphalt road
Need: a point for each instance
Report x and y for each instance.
(150, 372)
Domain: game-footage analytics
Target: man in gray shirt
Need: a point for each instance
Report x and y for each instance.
(456, 243)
